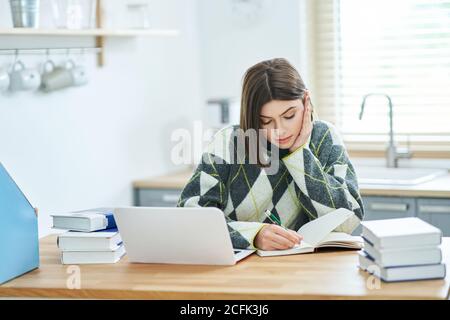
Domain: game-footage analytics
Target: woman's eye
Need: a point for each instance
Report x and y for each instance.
(265, 123)
(290, 117)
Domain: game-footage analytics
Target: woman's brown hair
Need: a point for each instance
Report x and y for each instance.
(274, 79)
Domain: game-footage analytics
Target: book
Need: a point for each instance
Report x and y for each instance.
(393, 257)
(92, 257)
(400, 233)
(85, 220)
(401, 273)
(319, 233)
(102, 240)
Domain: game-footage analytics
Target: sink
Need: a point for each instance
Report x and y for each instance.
(397, 176)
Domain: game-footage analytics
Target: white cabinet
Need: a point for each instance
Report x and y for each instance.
(156, 197)
(433, 210)
(376, 208)
(436, 212)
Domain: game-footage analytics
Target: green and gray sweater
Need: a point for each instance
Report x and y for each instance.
(310, 182)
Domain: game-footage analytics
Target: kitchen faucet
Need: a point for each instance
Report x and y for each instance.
(392, 154)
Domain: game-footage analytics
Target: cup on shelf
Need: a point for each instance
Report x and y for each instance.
(55, 77)
(60, 77)
(23, 79)
(25, 13)
(4, 80)
(79, 74)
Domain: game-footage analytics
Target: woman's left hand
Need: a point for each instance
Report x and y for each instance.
(307, 126)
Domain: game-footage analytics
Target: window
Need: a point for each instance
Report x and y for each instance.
(400, 48)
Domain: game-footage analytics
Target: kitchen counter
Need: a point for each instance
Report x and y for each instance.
(437, 188)
(176, 180)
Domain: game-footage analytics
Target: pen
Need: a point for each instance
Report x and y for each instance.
(274, 219)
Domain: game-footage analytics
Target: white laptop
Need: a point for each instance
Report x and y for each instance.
(177, 235)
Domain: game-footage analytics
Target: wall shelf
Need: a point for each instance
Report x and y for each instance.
(100, 33)
(88, 32)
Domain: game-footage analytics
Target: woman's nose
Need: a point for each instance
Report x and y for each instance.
(279, 131)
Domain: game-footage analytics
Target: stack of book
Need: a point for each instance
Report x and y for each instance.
(402, 249)
(91, 237)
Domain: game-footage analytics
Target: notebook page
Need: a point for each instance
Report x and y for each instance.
(341, 239)
(303, 247)
(315, 231)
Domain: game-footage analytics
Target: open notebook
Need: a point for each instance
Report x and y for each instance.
(319, 234)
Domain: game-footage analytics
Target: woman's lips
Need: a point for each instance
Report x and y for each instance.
(284, 140)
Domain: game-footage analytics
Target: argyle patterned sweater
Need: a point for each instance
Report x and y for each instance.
(310, 182)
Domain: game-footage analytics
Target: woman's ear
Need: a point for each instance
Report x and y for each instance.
(305, 97)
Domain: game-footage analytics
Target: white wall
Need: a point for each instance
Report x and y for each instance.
(83, 147)
(230, 44)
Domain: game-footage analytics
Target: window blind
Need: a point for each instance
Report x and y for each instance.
(400, 48)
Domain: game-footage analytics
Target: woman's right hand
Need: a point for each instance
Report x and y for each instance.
(274, 237)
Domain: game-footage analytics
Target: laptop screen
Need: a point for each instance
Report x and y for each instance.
(19, 243)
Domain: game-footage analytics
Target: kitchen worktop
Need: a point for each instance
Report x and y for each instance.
(436, 188)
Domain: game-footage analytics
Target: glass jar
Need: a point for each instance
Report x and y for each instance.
(74, 14)
(138, 13)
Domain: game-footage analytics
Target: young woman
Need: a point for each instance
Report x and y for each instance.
(314, 174)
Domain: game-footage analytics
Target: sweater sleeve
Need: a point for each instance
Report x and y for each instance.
(330, 184)
(207, 187)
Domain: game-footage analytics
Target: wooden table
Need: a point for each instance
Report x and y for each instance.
(323, 275)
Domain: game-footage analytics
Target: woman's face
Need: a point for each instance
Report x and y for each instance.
(283, 120)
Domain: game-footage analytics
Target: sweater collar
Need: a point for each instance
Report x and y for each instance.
(272, 148)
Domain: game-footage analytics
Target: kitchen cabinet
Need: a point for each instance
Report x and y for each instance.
(156, 197)
(433, 210)
(436, 212)
(377, 208)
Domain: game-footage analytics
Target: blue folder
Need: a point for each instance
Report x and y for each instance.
(19, 241)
